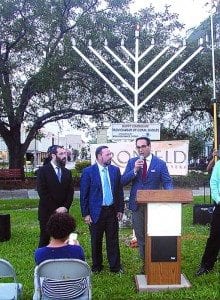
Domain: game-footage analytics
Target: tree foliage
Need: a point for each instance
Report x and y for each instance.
(196, 139)
(43, 80)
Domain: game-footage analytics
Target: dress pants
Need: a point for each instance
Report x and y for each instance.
(44, 236)
(138, 220)
(108, 224)
(213, 242)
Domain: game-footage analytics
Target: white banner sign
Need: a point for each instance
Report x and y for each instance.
(131, 131)
(174, 153)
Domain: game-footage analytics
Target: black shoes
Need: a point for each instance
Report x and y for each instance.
(117, 271)
(120, 271)
(203, 271)
(97, 270)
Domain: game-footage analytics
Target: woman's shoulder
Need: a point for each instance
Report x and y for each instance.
(75, 247)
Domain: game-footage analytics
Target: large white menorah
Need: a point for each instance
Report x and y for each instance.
(136, 74)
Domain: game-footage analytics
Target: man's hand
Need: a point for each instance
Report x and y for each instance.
(119, 216)
(61, 209)
(138, 165)
(88, 219)
(215, 153)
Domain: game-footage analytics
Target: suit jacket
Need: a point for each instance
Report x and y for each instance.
(91, 196)
(53, 193)
(157, 177)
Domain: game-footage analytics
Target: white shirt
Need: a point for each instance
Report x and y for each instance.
(148, 161)
(55, 167)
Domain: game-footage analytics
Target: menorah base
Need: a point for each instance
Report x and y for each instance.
(142, 286)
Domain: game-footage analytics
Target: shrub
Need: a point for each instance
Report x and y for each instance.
(30, 174)
(76, 173)
(3, 164)
(76, 177)
(194, 179)
(80, 165)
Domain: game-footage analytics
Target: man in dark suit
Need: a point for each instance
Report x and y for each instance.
(146, 172)
(55, 189)
(102, 206)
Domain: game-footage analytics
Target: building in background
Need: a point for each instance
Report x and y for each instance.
(3, 151)
(37, 149)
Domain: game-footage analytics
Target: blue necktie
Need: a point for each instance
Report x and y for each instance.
(107, 189)
(58, 173)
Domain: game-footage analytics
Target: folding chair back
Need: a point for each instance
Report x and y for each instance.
(9, 290)
(6, 270)
(63, 279)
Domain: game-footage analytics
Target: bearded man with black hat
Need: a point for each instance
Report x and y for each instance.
(55, 189)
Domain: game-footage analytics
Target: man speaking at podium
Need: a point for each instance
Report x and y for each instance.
(145, 172)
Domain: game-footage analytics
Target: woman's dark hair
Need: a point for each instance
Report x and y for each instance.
(60, 225)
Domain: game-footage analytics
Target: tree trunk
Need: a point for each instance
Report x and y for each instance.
(16, 157)
(16, 149)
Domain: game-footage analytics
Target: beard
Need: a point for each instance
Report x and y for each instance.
(61, 162)
(107, 163)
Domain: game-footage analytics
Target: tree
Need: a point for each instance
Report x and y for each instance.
(43, 80)
(187, 100)
(37, 67)
(191, 92)
(196, 140)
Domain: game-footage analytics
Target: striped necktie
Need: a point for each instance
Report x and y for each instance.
(58, 173)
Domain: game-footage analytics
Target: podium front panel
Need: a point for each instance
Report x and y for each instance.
(163, 268)
(163, 248)
(164, 219)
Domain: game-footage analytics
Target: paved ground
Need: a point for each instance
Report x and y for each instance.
(32, 194)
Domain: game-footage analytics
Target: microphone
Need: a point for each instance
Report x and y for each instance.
(142, 159)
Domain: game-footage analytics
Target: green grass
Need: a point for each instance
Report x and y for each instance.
(24, 227)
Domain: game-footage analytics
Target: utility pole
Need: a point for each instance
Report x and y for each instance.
(215, 125)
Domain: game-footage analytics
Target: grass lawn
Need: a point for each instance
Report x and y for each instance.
(24, 228)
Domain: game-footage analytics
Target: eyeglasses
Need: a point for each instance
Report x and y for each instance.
(141, 147)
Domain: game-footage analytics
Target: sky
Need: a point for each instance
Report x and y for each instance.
(191, 13)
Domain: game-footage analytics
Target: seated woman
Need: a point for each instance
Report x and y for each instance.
(59, 227)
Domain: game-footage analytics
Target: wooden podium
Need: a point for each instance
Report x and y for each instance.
(163, 218)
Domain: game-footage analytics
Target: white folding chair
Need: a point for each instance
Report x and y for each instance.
(63, 279)
(9, 290)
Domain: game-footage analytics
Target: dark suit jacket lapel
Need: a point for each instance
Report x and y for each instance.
(63, 174)
(112, 177)
(52, 172)
(152, 164)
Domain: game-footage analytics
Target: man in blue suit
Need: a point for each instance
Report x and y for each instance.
(102, 206)
(146, 172)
